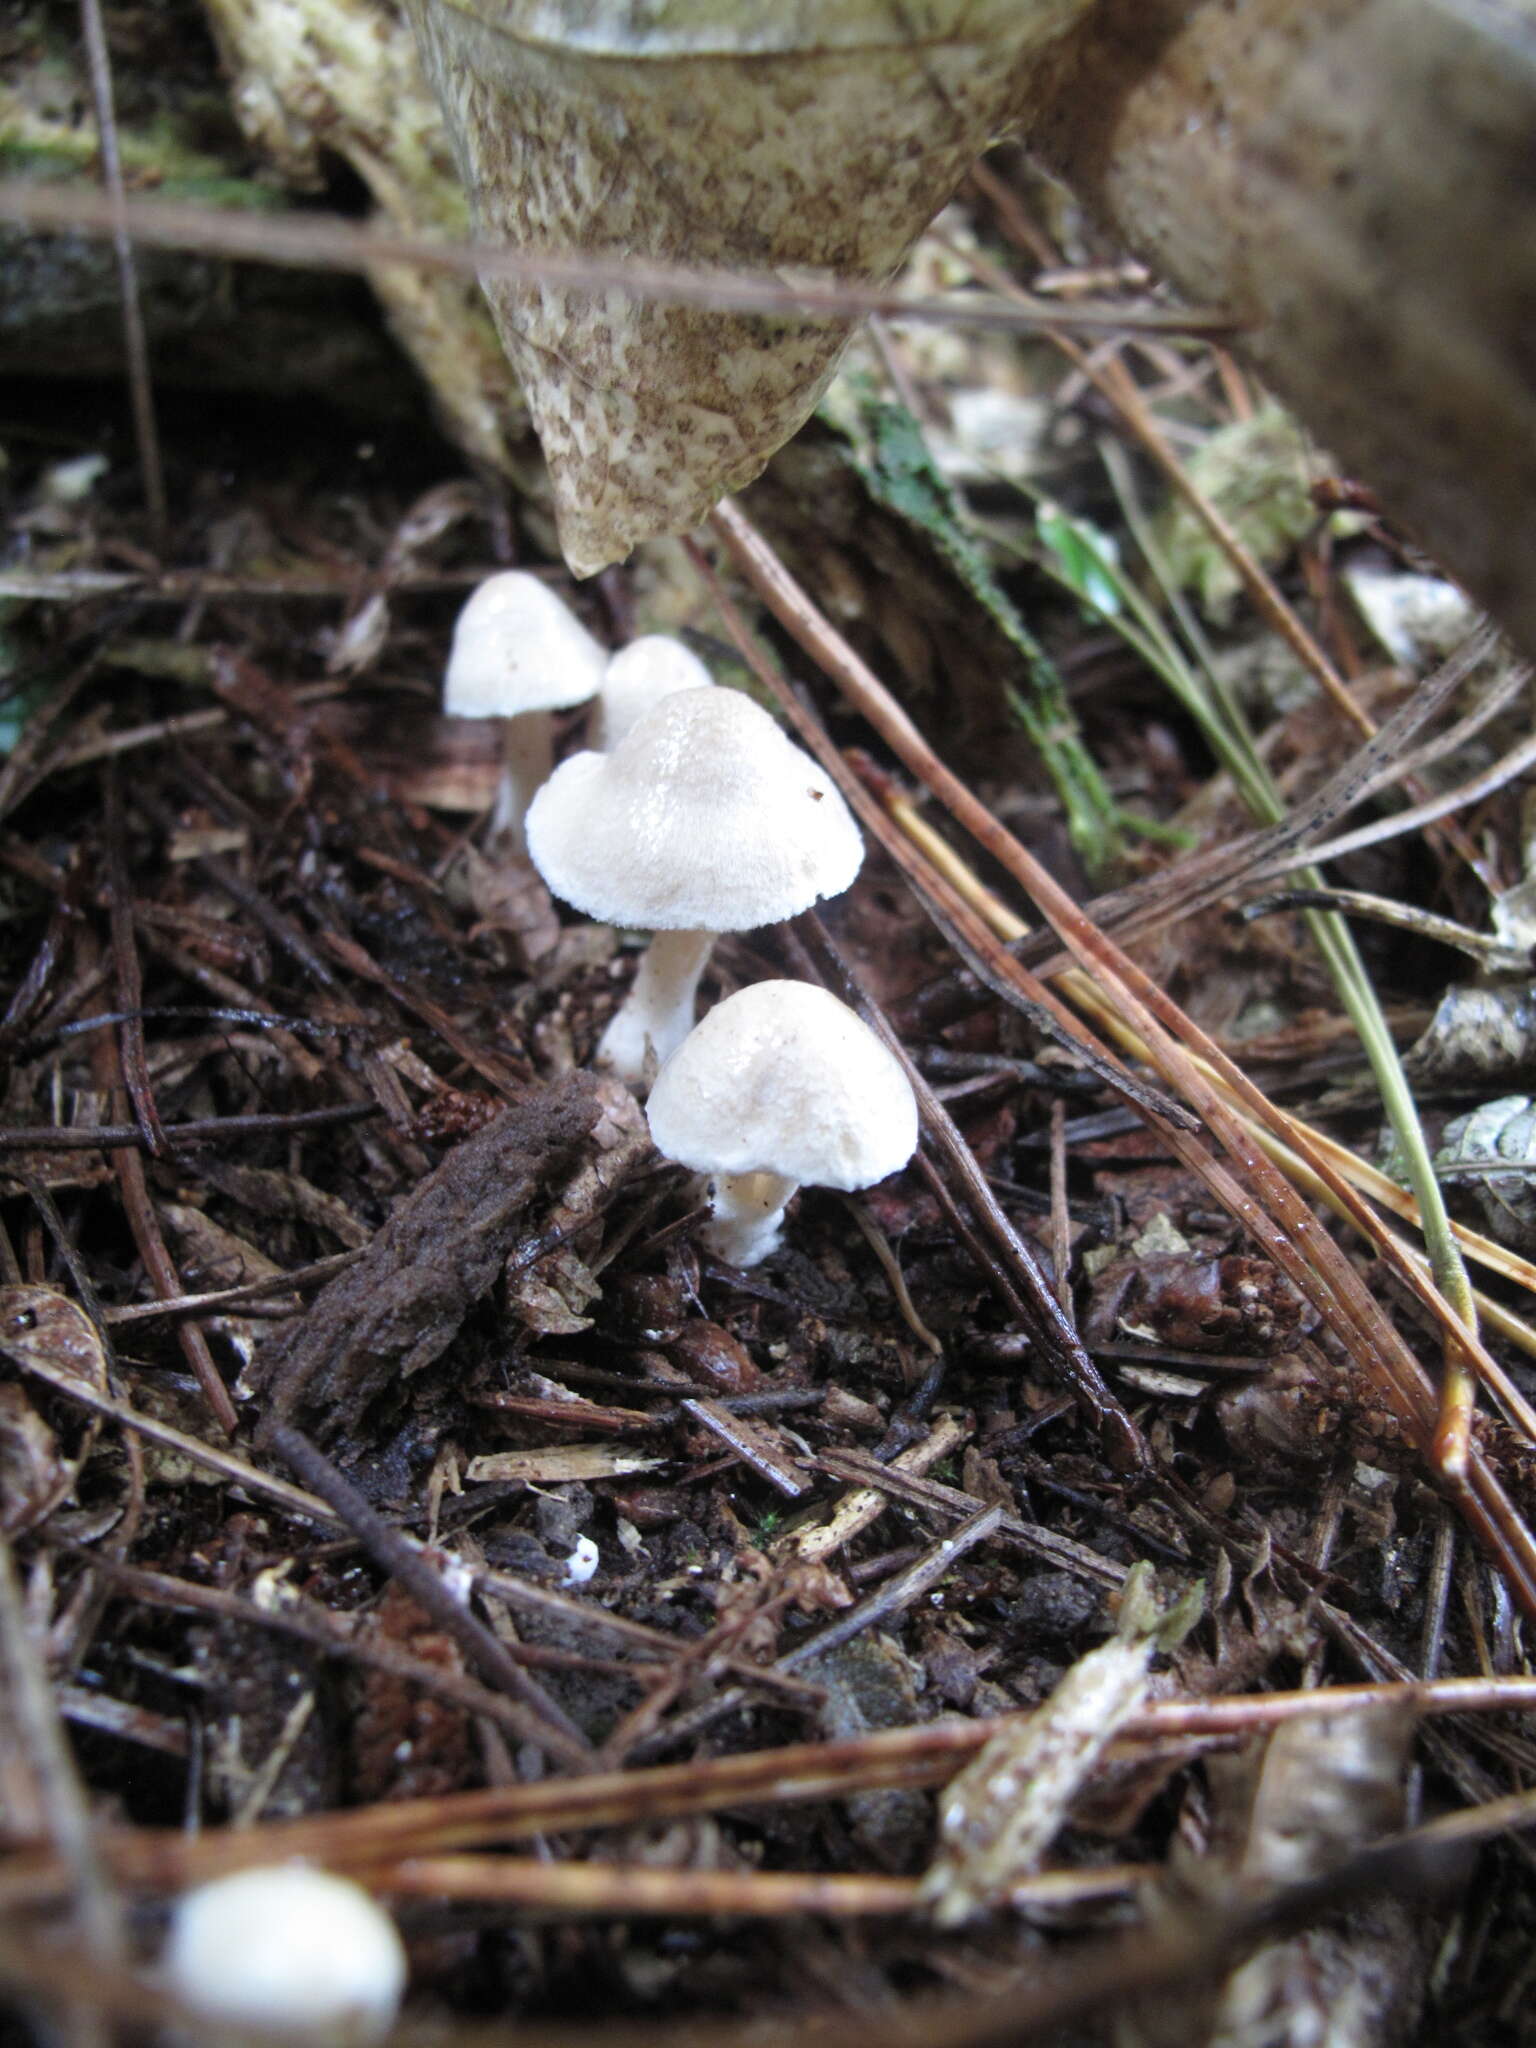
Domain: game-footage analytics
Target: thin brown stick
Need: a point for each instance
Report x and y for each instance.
(1061, 1222)
(796, 1774)
(135, 346)
(308, 1622)
(159, 1265)
(553, 1729)
(249, 1294)
(132, 1054)
(624, 1890)
(42, 1742)
(1282, 1222)
(225, 1463)
(894, 1595)
(305, 241)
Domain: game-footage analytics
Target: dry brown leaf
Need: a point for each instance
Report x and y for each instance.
(786, 137)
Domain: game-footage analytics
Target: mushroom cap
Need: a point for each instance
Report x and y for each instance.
(703, 818)
(291, 1949)
(518, 647)
(640, 675)
(783, 1078)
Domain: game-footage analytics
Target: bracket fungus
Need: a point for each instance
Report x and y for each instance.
(518, 654)
(704, 819)
(780, 1086)
(290, 1952)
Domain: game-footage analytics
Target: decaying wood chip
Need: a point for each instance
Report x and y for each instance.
(1000, 1815)
(560, 1462)
(757, 1442)
(866, 1504)
(552, 1291)
(441, 1251)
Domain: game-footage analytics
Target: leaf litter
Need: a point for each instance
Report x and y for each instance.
(836, 1569)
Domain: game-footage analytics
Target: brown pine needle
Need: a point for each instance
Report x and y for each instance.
(1186, 1058)
(797, 1774)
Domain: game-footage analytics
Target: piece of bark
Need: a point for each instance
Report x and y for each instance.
(441, 1251)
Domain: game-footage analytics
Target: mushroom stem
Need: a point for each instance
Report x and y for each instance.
(527, 760)
(747, 1211)
(657, 1014)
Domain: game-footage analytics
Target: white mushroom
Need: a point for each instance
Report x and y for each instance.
(780, 1085)
(640, 675)
(290, 1951)
(519, 653)
(704, 819)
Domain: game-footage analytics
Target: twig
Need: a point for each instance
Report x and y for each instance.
(125, 957)
(1184, 1055)
(1492, 955)
(249, 1292)
(1023, 1286)
(158, 1263)
(135, 347)
(934, 1497)
(626, 1889)
(62, 1795)
(304, 241)
(225, 1463)
(1061, 1221)
(1516, 762)
(795, 1774)
(308, 1622)
(433, 1015)
(894, 1595)
(117, 1137)
(552, 1727)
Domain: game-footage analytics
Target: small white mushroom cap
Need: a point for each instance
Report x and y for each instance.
(518, 647)
(291, 1951)
(704, 818)
(780, 1084)
(640, 675)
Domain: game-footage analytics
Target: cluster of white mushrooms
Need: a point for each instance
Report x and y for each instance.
(690, 815)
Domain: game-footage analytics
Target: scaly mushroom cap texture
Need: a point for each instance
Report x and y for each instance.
(703, 818)
(517, 647)
(783, 1078)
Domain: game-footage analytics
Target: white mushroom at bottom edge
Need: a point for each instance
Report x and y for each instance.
(780, 1085)
(289, 1951)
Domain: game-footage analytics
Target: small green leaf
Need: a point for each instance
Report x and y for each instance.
(1084, 556)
